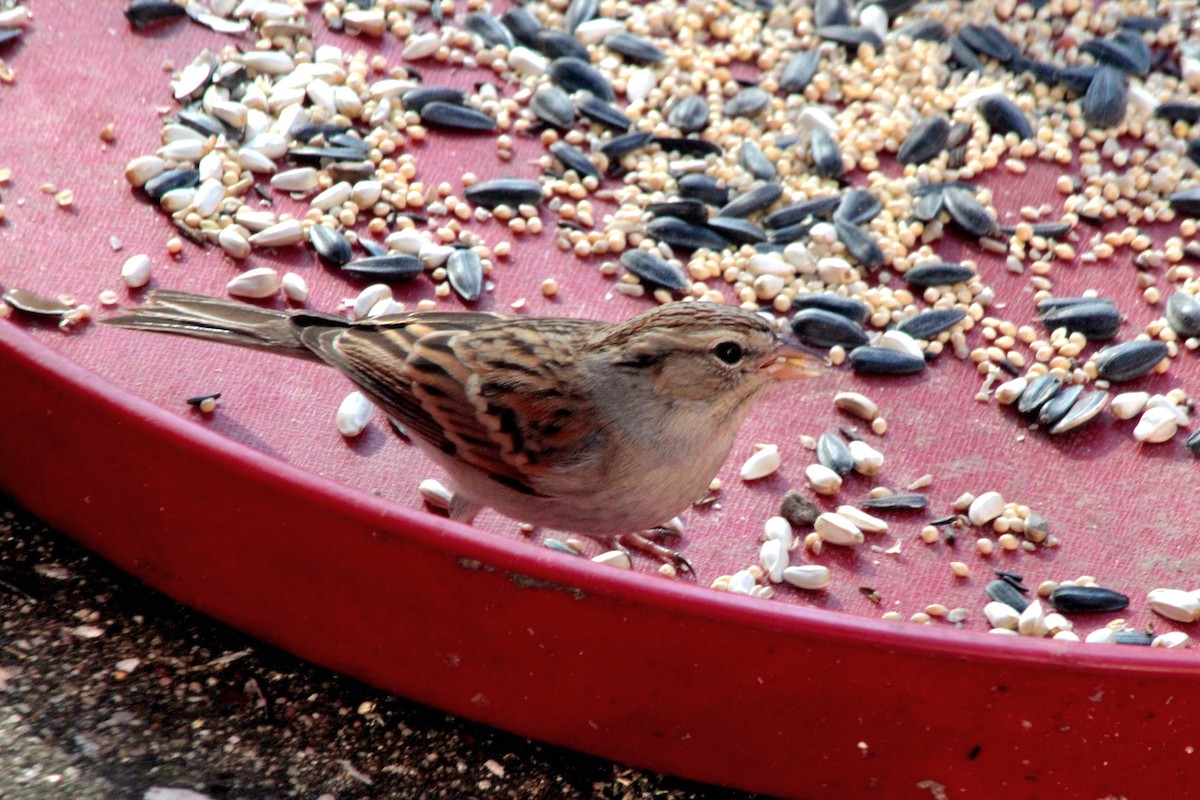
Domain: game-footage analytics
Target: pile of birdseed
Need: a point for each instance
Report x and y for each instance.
(723, 156)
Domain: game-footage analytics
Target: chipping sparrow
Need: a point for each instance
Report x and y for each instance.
(570, 424)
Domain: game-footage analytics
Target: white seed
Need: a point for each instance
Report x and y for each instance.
(901, 342)
(177, 200)
(271, 62)
(874, 19)
(1001, 615)
(865, 522)
(353, 414)
(768, 264)
(255, 161)
(867, 460)
(595, 30)
(1157, 425)
(809, 576)
(16, 17)
(1160, 401)
(269, 143)
(773, 556)
(253, 220)
(233, 241)
(1174, 604)
(384, 307)
(435, 494)
(333, 197)
(254, 283)
(822, 479)
(1009, 391)
(763, 463)
(641, 83)
(742, 582)
(181, 133)
(836, 529)
(1128, 405)
(1056, 623)
(300, 179)
(1066, 636)
(369, 297)
(142, 169)
(526, 62)
(856, 404)
(421, 46)
(779, 529)
(231, 113)
(1032, 621)
(1004, 632)
(1171, 639)
(365, 194)
(1101, 636)
(409, 242)
(209, 195)
(985, 508)
(817, 117)
(184, 150)
(281, 234)
(370, 21)
(613, 558)
(434, 255)
(135, 272)
(294, 287)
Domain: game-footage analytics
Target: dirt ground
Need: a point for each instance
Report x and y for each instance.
(109, 690)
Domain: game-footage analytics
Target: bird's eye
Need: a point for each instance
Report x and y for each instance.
(729, 352)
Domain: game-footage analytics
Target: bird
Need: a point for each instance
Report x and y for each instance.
(575, 425)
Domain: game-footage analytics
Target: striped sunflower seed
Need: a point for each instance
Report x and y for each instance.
(331, 245)
(1106, 99)
(391, 268)
(799, 71)
(455, 117)
(926, 139)
(1129, 360)
(634, 48)
(818, 327)
(511, 192)
(552, 106)
(464, 269)
(753, 200)
(1003, 117)
(685, 235)
(571, 158)
(929, 324)
(923, 276)
(575, 75)
(689, 115)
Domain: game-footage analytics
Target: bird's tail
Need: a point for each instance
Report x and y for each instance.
(221, 320)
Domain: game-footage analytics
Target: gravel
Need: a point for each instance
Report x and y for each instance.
(109, 689)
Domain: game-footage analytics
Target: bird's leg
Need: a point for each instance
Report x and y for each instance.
(649, 542)
(463, 510)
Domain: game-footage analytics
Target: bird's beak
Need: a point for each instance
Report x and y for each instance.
(791, 360)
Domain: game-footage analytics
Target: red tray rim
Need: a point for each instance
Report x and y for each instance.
(677, 596)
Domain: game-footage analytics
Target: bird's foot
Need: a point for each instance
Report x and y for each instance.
(650, 543)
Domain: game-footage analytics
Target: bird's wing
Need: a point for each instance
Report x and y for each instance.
(494, 394)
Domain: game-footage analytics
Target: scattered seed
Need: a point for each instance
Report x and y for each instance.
(811, 577)
(353, 414)
(1087, 599)
(1130, 360)
(896, 502)
(822, 479)
(135, 272)
(764, 462)
(654, 270)
(869, 360)
(818, 327)
(926, 139)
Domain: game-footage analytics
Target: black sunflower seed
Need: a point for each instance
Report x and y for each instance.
(317, 155)
(522, 24)
(737, 230)
(820, 327)
(389, 267)
(1193, 443)
(170, 180)
(652, 269)
(8, 35)
(1136, 638)
(749, 102)
(634, 48)
(753, 200)
(825, 155)
(791, 233)
(926, 139)
(1087, 600)
(1139, 23)
(1183, 314)
(937, 273)
(571, 158)
(929, 324)
(1054, 409)
(417, 99)
(988, 40)
(618, 147)
(488, 28)
(692, 211)
(859, 244)
(1186, 201)
(1129, 360)
(968, 213)
(896, 502)
(1003, 116)
(962, 55)
(455, 117)
(851, 308)
(689, 115)
(559, 44)
(604, 113)
(799, 71)
(1038, 393)
(1127, 53)
(925, 30)
(1179, 111)
(833, 453)
(1104, 103)
(831, 12)
(849, 36)
(579, 12)
(144, 13)
(464, 269)
(209, 125)
(928, 206)
(688, 146)
(1098, 320)
(331, 245)
(857, 207)
(753, 161)
(372, 247)
(574, 75)
(685, 235)
(883, 361)
(511, 192)
(1004, 592)
(704, 188)
(552, 106)
(1193, 150)
(798, 212)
